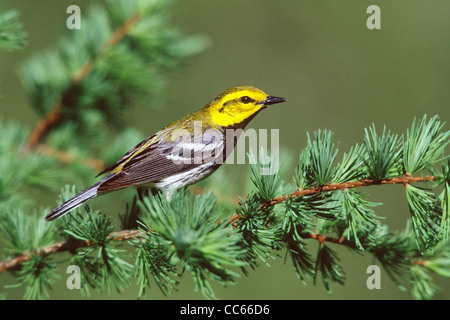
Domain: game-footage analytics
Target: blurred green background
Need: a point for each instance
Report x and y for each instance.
(334, 71)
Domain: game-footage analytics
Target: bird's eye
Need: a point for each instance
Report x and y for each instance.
(246, 99)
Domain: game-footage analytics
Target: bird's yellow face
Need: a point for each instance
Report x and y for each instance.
(238, 104)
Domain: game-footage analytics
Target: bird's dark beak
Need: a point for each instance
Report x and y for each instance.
(271, 100)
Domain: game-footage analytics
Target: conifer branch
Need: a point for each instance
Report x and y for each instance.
(54, 117)
(67, 157)
(117, 35)
(74, 244)
(322, 239)
(71, 245)
(406, 180)
(43, 127)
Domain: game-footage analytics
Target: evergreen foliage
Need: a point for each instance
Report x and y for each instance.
(12, 37)
(89, 80)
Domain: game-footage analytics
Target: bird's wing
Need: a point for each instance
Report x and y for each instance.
(130, 154)
(158, 161)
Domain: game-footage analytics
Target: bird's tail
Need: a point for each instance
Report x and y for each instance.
(73, 203)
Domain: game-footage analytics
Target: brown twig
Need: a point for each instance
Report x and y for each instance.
(321, 238)
(54, 117)
(43, 127)
(407, 179)
(67, 157)
(70, 246)
(420, 262)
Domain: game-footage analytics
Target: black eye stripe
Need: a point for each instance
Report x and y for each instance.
(246, 99)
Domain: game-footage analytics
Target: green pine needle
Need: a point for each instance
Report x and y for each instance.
(257, 229)
(194, 234)
(110, 265)
(425, 144)
(37, 276)
(358, 218)
(423, 287)
(303, 174)
(152, 261)
(383, 154)
(352, 166)
(444, 199)
(25, 232)
(393, 251)
(12, 37)
(323, 155)
(327, 267)
(267, 183)
(438, 259)
(425, 214)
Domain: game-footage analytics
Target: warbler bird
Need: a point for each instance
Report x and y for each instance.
(184, 152)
